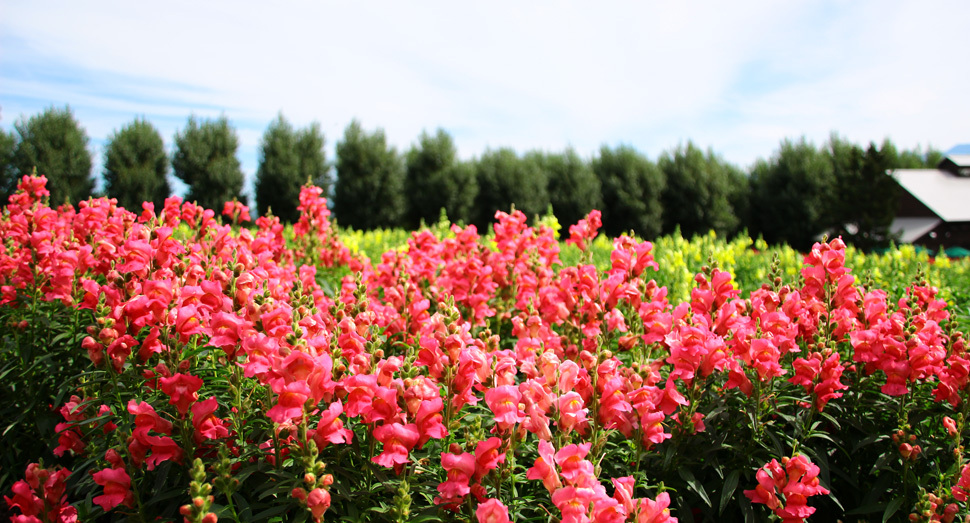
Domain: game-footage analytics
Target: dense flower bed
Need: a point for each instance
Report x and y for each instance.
(205, 371)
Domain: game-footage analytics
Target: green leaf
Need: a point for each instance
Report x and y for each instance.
(688, 476)
(891, 509)
(730, 484)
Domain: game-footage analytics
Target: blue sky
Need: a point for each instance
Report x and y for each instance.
(738, 77)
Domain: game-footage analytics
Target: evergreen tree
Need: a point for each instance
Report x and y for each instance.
(369, 191)
(739, 196)
(437, 180)
(205, 159)
(791, 195)
(135, 166)
(505, 180)
(574, 189)
(8, 171)
(288, 160)
(697, 195)
(54, 143)
(313, 159)
(865, 197)
(632, 186)
(917, 159)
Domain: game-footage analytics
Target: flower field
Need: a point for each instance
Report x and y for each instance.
(178, 365)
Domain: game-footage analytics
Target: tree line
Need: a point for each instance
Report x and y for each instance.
(797, 194)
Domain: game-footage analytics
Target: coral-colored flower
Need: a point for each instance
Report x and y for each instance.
(786, 490)
(655, 510)
(571, 412)
(289, 402)
(492, 511)
(584, 231)
(459, 469)
(572, 461)
(206, 424)
(961, 490)
(318, 501)
(504, 402)
(182, 390)
(331, 429)
(117, 488)
(544, 467)
(398, 441)
(488, 456)
(574, 503)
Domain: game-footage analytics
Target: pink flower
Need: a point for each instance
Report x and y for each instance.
(117, 488)
(585, 230)
(492, 511)
(398, 441)
(290, 402)
(459, 468)
(206, 424)
(786, 490)
(504, 402)
(318, 501)
(574, 503)
(188, 322)
(961, 490)
(182, 389)
(655, 511)
(571, 412)
(331, 429)
(572, 461)
(544, 467)
(25, 500)
(487, 456)
(430, 421)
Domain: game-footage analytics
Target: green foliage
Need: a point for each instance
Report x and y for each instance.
(288, 160)
(437, 180)
(792, 194)
(135, 166)
(917, 159)
(697, 197)
(205, 159)
(632, 186)
(40, 352)
(865, 197)
(56, 145)
(739, 196)
(313, 159)
(369, 192)
(8, 171)
(505, 180)
(574, 189)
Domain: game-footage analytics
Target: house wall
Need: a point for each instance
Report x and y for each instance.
(954, 234)
(910, 207)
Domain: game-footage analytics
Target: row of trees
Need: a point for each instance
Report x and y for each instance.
(797, 194)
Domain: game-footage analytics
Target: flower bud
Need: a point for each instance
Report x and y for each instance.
(905, 450)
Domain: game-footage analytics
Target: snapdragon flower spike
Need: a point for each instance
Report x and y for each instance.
(163, 448)
(41, 496)
(961, 490)
(785, 487)
(585, 231)
(459, 468)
